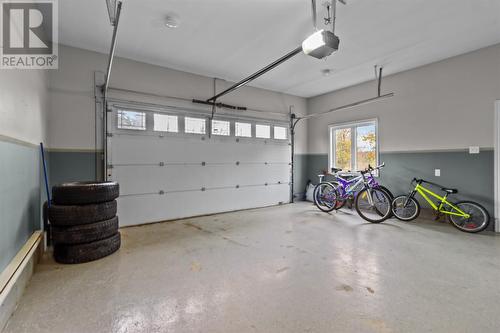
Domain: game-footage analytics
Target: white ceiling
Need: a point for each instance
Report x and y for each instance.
(230, 39)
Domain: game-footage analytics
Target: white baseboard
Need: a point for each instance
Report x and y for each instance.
(15, 277)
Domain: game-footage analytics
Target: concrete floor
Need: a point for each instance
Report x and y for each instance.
(280, 269)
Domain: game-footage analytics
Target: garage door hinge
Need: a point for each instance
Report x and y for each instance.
(162, 164)
(161, 192)
(109, 135)
(110, 166)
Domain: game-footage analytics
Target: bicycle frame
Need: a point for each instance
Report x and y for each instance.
(443, 202)
(349, 186)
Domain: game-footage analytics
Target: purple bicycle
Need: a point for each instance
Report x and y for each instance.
(333, 195)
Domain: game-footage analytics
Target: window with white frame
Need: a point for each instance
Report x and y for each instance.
(354, 146)
(165, 123)
(243, 129)
(280, 133)
(195, 125)
(220, 127)
(131, 120)
(262, 131)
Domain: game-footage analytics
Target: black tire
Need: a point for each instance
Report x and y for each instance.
(82, 193)
(322, 204)
(86, 233)
(65, 216)
(81, 253)
(406, 216)
(385, 189)
(378, 216)
(484, 216)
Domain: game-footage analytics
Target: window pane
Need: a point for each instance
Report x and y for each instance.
(280, 133)
(263, 131)
(366, 146)
(165, 123)
(131, 120)
(243, 130)
(220, 127)
(343, 148)
(194, 125)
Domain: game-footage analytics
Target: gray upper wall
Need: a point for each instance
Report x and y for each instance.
(441, 106)
(72, 116)
(24, 103)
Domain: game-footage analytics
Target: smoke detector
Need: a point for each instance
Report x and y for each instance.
(172, 20)
(326, 72)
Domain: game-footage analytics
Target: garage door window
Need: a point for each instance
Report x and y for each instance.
(243, 130)
(132, 120)
(280, 133)
(354, 146)
(263, 131)
(166, 123)
(194, 125)
(220, 127)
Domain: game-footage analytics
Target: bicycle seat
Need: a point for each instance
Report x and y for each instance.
(449, 190)
(335, 170)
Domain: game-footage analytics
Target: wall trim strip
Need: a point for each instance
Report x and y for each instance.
(18, 263)
(496, 168)
(457, 150)
(8, 139)
(15, 278)
(73, 150)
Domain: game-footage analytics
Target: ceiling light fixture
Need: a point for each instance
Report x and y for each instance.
(172, 21)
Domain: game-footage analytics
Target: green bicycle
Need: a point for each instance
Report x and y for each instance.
(467, 216)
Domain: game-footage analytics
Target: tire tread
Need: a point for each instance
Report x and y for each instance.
(82, 253)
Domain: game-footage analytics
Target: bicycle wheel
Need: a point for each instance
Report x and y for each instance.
(478, 220)
(377, 212)
(386, 190)
(402, 212)
(325, 197)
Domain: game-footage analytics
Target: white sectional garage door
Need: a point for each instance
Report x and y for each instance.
(165, 173)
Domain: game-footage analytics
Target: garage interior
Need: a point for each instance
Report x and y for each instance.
(216, 118)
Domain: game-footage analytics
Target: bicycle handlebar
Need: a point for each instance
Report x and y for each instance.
(370, 168)
(427, 182)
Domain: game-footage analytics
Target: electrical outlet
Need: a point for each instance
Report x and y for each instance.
(474, 150)
(437, 172)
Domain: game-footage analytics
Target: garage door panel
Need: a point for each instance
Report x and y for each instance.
(130, 149)
(171, 176)
(149, 179)
(154, 208)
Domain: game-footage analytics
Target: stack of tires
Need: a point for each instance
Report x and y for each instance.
(84, 225)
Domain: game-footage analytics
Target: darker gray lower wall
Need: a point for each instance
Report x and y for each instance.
(300, 175)
(71, 166)
(472, 175)
(20, 196)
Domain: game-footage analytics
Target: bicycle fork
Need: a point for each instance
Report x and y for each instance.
(368, 191)
(408, 197)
